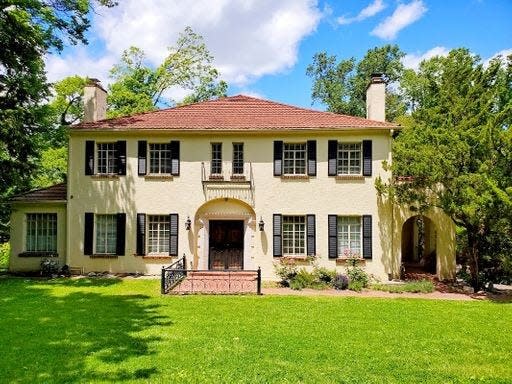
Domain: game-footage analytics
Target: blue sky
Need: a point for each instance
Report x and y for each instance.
(263, 47)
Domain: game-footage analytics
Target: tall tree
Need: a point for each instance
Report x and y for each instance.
(29, 29)
(138, 87)
(341, 85)
(457, 149)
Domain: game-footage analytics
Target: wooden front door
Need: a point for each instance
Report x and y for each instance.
(226, 244)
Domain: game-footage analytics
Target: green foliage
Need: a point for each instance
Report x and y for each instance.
(303, 279)
(299, 278)
(286, 269)
(5, 251)
(342, 85)
(358, 278)
(138, 87)
(420, 286)
(52, 167)
(67, 105)
(324, 275)
(457, 149)
(340, 282)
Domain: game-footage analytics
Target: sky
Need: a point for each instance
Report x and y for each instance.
(263, 47)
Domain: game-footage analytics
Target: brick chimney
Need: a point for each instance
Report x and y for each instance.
(376, 98)
(95, 101)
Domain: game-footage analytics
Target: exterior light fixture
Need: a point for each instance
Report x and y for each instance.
(188, 224)
(261, 225)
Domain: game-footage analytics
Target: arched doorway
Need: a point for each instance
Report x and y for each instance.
(419, 238)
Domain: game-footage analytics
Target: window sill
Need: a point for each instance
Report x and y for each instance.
(156, 257)
(350, 177)
(296, 258)
(216, 177)
(105, 176)
(103, 256)
(344, 260)
(38, 254)
(238, 177)
(295, 177)
(159, 177)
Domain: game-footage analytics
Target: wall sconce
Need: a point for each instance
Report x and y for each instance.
(188, 224)
(261, 224)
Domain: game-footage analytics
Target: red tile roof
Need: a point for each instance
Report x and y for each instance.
(54, 193)
(236, 113)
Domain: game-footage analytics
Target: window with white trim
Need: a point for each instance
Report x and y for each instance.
(41, 232)
(294, 235)
(158, 234)
(349, 236)
(106, 234)
(160, 158)
(107, 158)
(294, 158)
(349, 158)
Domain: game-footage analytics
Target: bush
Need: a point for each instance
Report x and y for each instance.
(5, 250)
(324, 275)
(340, 281)
(357, 276)
(286, 269)
(356, 286)
(303, 279)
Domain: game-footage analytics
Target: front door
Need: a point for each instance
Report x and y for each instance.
(226, 244)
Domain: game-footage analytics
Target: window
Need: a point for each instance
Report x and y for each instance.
(238, 158)
(106, 234)
(107, 158)
(41, 232)
(294, 235)
(216, 159)
(349, 159)
(158, 234)
(160, 158)
(294, 159)
(349, 236)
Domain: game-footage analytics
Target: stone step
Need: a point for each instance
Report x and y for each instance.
(218, 282)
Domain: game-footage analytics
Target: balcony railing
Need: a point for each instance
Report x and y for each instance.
(223, 180)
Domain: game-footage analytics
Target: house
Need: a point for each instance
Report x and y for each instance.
(235, 183)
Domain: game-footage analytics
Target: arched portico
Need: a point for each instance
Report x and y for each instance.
(223, 235)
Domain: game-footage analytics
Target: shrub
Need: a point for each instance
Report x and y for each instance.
(5, 250)
(356, 286)
(340, 281)
(286, 269)
(358, 277)
(324, 275)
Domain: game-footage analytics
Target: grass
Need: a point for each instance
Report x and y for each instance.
(420, 286)
(123, 331)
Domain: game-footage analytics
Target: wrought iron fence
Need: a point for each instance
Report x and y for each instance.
(173, 275)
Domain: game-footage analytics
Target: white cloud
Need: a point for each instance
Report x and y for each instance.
(413, 60)
(404, 15)
(248, 38)
(504, 53)
(371, 10)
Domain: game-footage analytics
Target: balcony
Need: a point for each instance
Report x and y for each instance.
(225, 183)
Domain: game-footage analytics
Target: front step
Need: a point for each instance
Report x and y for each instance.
(218, 283)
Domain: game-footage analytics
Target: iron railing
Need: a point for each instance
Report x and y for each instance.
(173, 275)
(228, 184)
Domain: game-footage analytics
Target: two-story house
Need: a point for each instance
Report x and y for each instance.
(234, 183)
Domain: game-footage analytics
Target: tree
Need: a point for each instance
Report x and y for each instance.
(138, 87)
(342, 85)
(456, 149)
(29, 29)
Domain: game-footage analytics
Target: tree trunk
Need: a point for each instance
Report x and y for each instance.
(473, 260)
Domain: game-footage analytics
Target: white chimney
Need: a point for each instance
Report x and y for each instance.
(376, 98)
(95, 101)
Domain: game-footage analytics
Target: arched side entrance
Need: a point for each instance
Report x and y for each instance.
(224, 232)
(419, 245)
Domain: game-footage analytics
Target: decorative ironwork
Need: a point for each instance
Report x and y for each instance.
(173, 275)
(228, 184)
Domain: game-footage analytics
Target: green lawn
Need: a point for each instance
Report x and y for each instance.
(115, 331)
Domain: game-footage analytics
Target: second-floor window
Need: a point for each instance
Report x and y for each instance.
(294, 158)
(216, 164)
(107, 158)
(238, 158)
(160, 158)
(349, 159)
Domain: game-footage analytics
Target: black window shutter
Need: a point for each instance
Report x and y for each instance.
(141, 234)
(311, 235)
(277, 231)
(333, 236)
(175, 158)
(278, 158)
(121, 157)
(311, 157)
(332, 150)
(173, 234)
(367, 157)
(121, 234)
(367, 236)
(88, 232)
(89, 157)
(142, 153)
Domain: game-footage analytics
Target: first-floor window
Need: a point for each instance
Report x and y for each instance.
(106, 234)
(349, 236)
(158, 234)
(107, 158)
(41, 232)
(294, 235)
